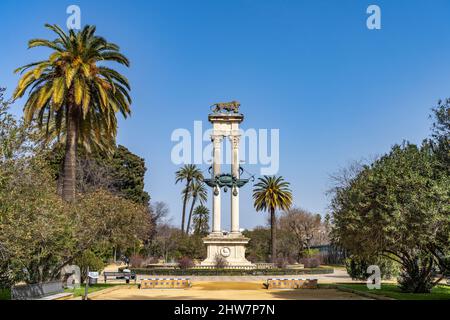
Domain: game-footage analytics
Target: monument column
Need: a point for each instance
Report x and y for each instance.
(217, 160)
(235, 192)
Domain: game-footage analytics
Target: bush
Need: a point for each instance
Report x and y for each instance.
(229, 272)
(357, 267)
(136, 261)
(220, 262)
(281, 263)
(89, 259)
(185, 263)
(310, 262)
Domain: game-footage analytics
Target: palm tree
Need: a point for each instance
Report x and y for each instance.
(197, 192)
(201, 220)
(72, 96)
(271, 194)
(189, 173)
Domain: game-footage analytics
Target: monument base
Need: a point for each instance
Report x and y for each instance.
(231, 247)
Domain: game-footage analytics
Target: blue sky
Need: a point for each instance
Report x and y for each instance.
(337, 91)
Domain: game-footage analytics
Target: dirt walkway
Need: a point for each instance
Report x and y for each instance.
(225, 291)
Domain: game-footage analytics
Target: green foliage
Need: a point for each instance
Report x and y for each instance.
(71, 78)
(121, 172)
(357, 267)
(91, 260)
(258, 249)
(271, 194)
(309, 253)
(231, 272)
(40, 233)
(398, 206)
(201, 221)
(191, 174)
(440, 292)
(189, 246)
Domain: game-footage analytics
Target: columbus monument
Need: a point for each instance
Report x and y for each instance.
(225, 118)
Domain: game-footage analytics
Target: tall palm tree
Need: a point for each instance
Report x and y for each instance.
(201, 220)
(188, 173)
(72, 95)
(271, 194)
(197, 192)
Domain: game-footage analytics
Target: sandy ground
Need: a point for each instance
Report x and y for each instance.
(227, 290)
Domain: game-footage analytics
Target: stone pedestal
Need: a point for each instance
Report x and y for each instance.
(230, 246)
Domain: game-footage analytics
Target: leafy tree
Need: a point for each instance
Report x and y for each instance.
(39, 232)
(73, 96)
(121, 172)
(271, 194)
(300, 228)
(201, 220)
(396, 207)
(197, 192)
(258, 249)
(188, 173)
(91, 260)
(441, 132)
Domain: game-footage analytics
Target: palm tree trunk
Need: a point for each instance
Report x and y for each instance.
(183, 217)
(194, 200)
(273, 235)
(69, 184)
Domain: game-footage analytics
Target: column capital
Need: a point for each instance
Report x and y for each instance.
(216, 138)
(235, 139)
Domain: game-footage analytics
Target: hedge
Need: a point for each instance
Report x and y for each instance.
(229, 272)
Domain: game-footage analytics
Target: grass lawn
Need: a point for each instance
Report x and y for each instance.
(93, 288)
(5, 294)
(440, 292)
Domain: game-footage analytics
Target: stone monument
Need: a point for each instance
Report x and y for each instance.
(225, 118)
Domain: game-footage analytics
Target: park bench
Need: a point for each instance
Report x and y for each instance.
(165, 283)
(120, 275)
(40, 291)
(291, 283)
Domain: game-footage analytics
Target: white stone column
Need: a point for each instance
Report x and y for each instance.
(235, 192)
(217, 160)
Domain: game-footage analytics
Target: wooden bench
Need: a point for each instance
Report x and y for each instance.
(120, 275)
(165, 283)
(291, 283)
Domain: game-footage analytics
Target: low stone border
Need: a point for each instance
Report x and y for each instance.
(360, 293)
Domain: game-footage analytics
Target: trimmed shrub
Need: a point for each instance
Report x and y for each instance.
(229, 272)
(357, 267)
(220, 262)
(281, 263)
(136, 261)
(310, 262)
(185, 263)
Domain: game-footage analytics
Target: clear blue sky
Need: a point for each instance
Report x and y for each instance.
(337, 91)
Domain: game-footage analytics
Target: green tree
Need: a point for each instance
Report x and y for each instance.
(441, 132)
(197, 192)
(188, 173)
(73, 96)
(271, 194)
(121, 172)
(201, 220)
(396, 207)
(258, 249)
